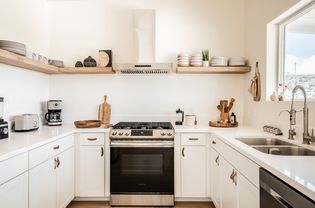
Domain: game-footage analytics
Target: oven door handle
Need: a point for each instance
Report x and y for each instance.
(141, 144)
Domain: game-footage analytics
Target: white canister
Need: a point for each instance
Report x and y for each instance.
(191, 120)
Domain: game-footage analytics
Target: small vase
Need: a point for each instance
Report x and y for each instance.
(281, 98)
(205, 63)
(89, 62)
(273, 97)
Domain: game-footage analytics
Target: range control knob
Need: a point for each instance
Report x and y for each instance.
(162, 133)
(114, 133)
(120, 133)
(127, 133)
(169, 134)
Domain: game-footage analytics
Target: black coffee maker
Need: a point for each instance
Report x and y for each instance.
(4, 126)
(53, 117)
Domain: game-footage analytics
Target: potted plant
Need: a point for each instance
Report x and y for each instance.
(205, 58)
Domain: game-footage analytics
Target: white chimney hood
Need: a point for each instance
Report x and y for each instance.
(144, 33)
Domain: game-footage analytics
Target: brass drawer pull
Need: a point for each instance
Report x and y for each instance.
(193, 139)
(217, 160)
(214, 142)
(56, 147)
(55, 163)
(92, 139)
(102, 151)
(58, 162)
(183, 152)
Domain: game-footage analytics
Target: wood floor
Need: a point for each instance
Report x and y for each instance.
(106, 205)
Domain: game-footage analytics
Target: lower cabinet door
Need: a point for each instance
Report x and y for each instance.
(248, 194)
(215, 175)
(14, 193)
(229, 187)
(92, 171)
(65, 178)
(193, 171)
(42, 185)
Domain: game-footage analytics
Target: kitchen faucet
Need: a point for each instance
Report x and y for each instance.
(307, 139)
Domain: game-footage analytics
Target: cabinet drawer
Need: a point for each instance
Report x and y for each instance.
(50, 150)
(193, 139)
(13, 167)
(91, 139)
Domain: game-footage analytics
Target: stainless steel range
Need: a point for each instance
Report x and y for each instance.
(142, 164)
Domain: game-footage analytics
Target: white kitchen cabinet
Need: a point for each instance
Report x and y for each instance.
(14, 193)
(92, 171)
(228, 182)
(42, 185)
(215, 175)
(193, 171)
(230, 187)
(65, 178)
(51, 184)
(248, 194)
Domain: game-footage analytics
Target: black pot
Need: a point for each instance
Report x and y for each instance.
(89, 62)
(78, 64)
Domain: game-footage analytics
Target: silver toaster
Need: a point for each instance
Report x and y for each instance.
(26, 122)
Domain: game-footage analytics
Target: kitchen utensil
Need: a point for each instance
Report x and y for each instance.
(89, 62)
(88, 124)
(255, 85)
(104, 112)
(180, 117)
(225, 108)
(191, 120)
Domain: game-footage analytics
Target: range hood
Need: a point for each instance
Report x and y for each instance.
(144, 41)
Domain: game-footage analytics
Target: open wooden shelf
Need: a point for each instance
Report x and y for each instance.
(86, 70)
(13, 59)
(214, 70)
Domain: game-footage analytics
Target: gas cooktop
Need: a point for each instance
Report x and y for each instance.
(142, 130)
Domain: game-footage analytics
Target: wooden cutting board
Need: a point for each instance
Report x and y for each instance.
(104, 112)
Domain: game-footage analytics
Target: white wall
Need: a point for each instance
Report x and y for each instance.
(24, 21)
(81, 28)
(258, 15)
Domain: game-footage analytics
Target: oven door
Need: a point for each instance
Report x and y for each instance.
(143, 168)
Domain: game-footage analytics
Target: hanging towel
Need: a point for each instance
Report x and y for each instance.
(255, 86)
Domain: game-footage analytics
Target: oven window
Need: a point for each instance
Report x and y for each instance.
(141, 164)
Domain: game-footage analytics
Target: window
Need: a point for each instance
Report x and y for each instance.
(297, 53)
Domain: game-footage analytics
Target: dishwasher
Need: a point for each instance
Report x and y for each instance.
(275, 193)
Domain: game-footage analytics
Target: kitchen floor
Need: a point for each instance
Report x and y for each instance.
(106, 205)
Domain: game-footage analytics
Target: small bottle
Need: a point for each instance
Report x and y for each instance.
(233, 119)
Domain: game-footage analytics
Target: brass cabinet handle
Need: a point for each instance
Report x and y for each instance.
(183, 152)
(217, 160)
(102, 151)
(92, 139)
(235, 178)
(213, 142)
(55, 159)
(232, 175)
(58, 162)
(56, 147)
(193, 139)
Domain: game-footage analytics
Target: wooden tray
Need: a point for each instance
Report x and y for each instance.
(222, 125)
(88, 124)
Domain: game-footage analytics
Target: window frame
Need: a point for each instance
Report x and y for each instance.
(281, 42)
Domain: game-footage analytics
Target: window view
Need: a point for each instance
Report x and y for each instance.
(299, 55)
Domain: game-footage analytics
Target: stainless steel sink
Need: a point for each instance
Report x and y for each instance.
(263, 141)
(285, 150)
(275, 146)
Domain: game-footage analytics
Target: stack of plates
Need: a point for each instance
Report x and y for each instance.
(219, 61)
(183, 59)
(237, 61)
(14, 47)
(196, 59)
(56, 63)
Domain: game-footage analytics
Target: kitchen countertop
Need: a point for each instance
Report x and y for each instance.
(21, 142)
(298, 171)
